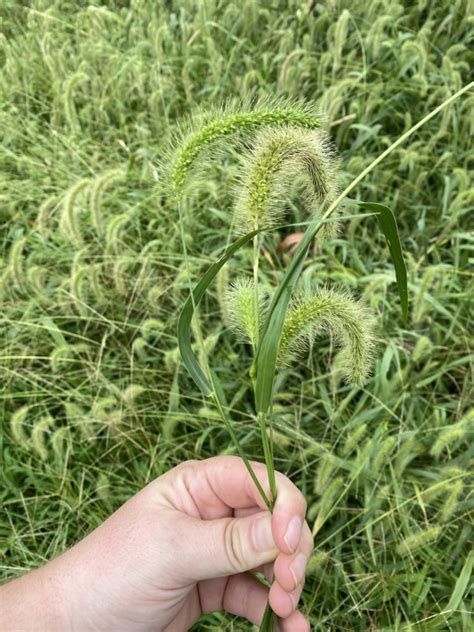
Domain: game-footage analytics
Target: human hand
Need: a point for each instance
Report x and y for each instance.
(181, 547)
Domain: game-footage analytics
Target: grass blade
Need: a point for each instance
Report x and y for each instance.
(462, 583)
(185, 318)
(267, 352)
(388, 225)
(269, 621)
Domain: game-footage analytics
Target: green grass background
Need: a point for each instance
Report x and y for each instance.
(94, 402)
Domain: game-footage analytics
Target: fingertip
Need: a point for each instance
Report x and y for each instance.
(287, 530)
(292, 535)
(288, 516)
(283, 603)
(296, 622)
(280, 601)
(290, 570)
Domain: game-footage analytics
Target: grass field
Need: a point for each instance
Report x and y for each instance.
(94, 402)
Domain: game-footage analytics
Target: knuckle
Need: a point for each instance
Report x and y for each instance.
(183, 466)
(233, 546)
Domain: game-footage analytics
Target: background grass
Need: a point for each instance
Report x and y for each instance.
(93, 401)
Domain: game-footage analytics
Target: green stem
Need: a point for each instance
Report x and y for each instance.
(256, 260)
(268, 454)
(219, 401)
(270, 620)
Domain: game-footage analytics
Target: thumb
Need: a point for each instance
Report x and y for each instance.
(228, 546)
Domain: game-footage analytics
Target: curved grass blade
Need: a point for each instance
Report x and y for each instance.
(185, 318)
(267, 352)
(388, 225)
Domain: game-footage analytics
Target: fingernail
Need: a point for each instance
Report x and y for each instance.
(262, 534)
(298, 567)
(293, 533)
(295, 596)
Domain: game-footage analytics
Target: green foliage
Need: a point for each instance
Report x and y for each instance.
(149, 64)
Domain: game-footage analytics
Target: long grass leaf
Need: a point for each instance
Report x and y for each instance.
(462, 583)
(185, 318)
(388, 225)
(267, 352)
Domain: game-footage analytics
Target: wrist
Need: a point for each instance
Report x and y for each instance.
(32, 602)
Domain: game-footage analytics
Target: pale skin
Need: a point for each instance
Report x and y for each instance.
(181, 547)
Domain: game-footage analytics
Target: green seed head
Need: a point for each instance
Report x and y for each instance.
(17, 425)
(234, 118)
(336, 312)
(38, 436)
(243, 312)
(281, 159)
(97, 189)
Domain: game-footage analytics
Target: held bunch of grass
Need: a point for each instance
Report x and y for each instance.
(283, 148)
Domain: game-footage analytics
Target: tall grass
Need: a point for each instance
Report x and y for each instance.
(386, 469)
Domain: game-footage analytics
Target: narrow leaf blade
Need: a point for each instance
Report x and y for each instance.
(267, 352)
(388, 225)
(462, 583)
(184, 323)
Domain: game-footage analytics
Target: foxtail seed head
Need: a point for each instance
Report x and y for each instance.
(97, 189)
(17, 425)
(242, 310)
(38, 436)
(334, 311)
(310, 315)
(280, 158)
(204, 129)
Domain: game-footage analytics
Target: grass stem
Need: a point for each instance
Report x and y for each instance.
(256, 261)
(268, 454)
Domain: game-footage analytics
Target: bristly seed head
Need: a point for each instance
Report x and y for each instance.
(281, 158)
(334, 311)
(232, 118)
(242, 311)
(310, 315)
